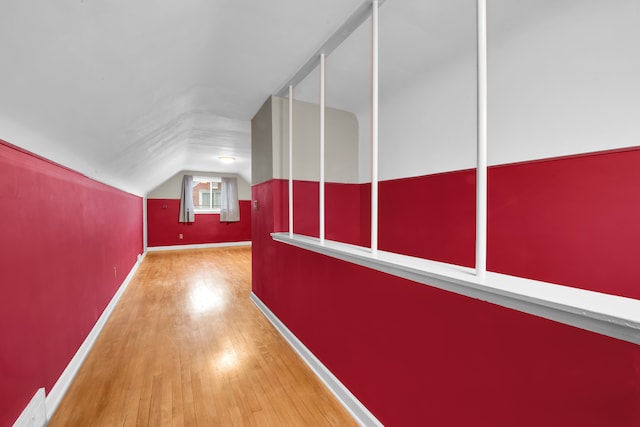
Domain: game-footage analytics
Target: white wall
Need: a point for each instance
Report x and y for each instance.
(565, 83)
(171, 188)
(569, 85)
(58, 151)
(429, 125)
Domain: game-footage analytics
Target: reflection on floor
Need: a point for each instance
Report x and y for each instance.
(186, 346)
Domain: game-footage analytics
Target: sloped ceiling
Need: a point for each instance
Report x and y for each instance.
(417, 37)
(131, 92)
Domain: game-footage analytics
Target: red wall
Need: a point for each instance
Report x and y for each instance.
(163, 228)
(572, 220)
(416, 355)
(430, 217)
(67, 244)
(342, 210)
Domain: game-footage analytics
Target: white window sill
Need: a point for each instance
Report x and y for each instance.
(206, 211)
(611, 315)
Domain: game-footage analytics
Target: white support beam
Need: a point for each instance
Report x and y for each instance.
(322, 107)
(290, 160)
(374, 127)
(481, 168)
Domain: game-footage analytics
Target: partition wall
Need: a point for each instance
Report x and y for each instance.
(429, 284)
(346, 76)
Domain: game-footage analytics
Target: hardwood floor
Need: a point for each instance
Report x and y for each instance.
(185, 346)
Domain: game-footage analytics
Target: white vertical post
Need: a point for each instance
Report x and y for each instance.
(481, 169)
(290, 161)
(374, 128)
(210, 195)
(322, 90)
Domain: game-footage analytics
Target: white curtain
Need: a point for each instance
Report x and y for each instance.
(230, 208)
(186, 200)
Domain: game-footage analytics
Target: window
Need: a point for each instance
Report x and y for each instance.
(206, 194)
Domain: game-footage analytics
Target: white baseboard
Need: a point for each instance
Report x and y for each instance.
(62, 385)
(197, 246)
(35, 414)
(359, 412)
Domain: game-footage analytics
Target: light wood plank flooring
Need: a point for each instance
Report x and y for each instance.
(185, 347)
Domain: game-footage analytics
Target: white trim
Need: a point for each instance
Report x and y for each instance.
(322, 93)
(206, 211)
(359, 412)
(197, 246)
(481, 167)
(291, 160)
(374, 127)
(202, 178)
(64, 381)
(211, 191)
(610, 315)
(35, 413)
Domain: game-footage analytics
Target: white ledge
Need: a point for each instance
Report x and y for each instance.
(610, 315)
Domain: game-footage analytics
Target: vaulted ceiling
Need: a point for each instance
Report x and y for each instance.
(132, 91)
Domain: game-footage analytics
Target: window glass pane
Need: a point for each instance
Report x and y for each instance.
(200, 194)
(206, 199)
(206, 193)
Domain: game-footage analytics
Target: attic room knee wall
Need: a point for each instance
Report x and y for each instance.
(67, 245)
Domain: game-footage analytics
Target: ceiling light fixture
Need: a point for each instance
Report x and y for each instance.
(226, 159)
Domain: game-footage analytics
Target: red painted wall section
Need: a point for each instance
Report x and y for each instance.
(306, 208)
(430, 217)
(270, 214)
(280, 195)
(67, 244)
(342, 213)
(416, 355)
(163, 228)
(342, 210)
(573, 221)
(262, 225)
(365, 214)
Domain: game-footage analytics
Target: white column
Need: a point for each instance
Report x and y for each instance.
(374, 129)
(290, 161)
(481, 170)
(322, 90)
